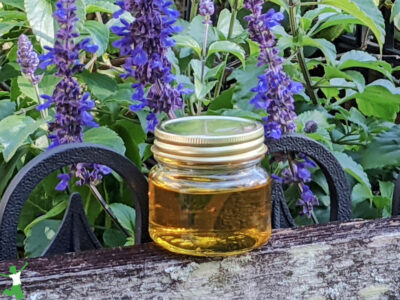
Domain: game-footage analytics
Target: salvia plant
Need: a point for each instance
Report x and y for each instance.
(108, 72)
(71, 106)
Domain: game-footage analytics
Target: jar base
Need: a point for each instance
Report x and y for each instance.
(214, 243)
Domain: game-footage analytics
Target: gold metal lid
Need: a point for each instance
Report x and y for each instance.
(209, 139)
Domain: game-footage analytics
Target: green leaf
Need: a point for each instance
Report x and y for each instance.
(239, 4)
(40, 17)
(223, 101)
(227, 46)
(132, 135)
(281, 3)
(99, 35)
(360, 193)
(395, 16)
(386, 188)
(123, 96)
(201, 90)
(126, 215)
(6, 26)
(383, 151)
(224, 21)
(55, 211)
(101, 86)
(327, 48)
(353, 169)
(313, 115)
(380, 99)
(9, 71)
(114, 238)
(322, 133)
(101, 6)
(145, 151)
(240, 114)
(365, 11)
(14, 3)
(46, 86)
(361, 59)
(80, 13)
(7, 168)
(355, 76)
(216, 71)
(6, 108)
(183, 40)
(40, 237)
(245, 81)
(197, 30)
(337, 19)
(105, 136)
(196, 65)
(381, 202)
(14, 131)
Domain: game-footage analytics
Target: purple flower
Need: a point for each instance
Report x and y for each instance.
(63, 184)
(308, 200)
(27, 58)
(207, 9)
(146, 41)
(72, 107)
(274, 93)
(275, 88)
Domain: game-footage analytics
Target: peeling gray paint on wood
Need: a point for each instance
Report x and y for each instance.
(353, 260)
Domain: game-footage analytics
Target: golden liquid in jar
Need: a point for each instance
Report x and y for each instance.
(210, 223)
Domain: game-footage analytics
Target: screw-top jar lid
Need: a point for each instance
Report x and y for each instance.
(209, 139)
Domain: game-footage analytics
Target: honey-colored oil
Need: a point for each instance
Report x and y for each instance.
(210, 223)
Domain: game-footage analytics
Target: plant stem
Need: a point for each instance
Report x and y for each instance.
(300, 54)
(5, 86)
(109, 113)
(107, 208)
(308, 4)
(334, 87)
(43, 113)
(230, 33)
(193, 9)
(204, 54)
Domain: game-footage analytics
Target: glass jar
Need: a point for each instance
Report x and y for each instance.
(209, 195)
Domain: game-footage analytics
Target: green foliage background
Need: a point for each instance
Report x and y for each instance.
(356, 115)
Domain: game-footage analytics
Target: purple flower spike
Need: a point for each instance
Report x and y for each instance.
(274, 93)
(146, 41)
(27, 58)
(275, 89)
(71, 105)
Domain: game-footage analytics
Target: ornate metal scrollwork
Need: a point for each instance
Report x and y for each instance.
(338, 187)
(43, 165)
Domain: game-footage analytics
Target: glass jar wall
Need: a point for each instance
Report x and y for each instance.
(211, 201)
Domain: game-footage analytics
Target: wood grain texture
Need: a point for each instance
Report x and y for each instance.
(353, 260)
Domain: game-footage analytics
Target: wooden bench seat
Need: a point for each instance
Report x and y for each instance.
(352, 260)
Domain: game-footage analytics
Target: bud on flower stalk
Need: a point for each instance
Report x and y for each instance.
(311, 127)
(207, 9)
(28, 60)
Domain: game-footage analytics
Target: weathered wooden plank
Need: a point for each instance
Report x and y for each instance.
(354, 260)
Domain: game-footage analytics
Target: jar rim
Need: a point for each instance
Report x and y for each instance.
(209, 140)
